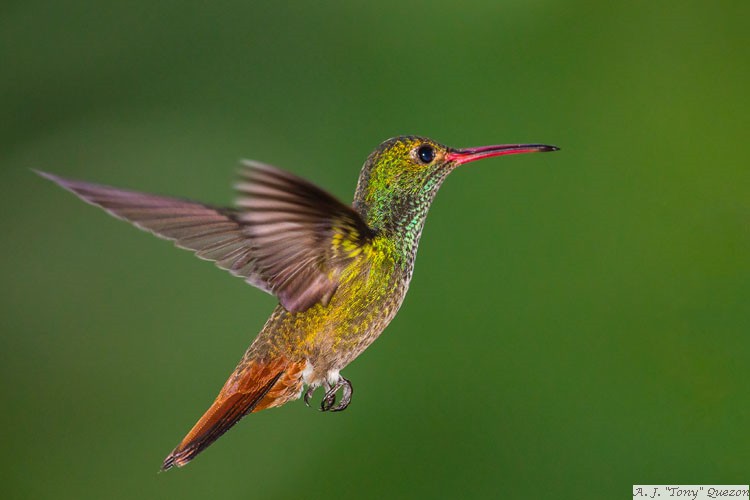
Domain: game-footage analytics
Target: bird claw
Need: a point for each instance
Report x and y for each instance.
(308, 394)
(329, 400)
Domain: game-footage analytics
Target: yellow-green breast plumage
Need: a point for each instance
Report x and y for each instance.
(340, 272)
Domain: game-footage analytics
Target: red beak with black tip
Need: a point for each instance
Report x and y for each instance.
(461, 156)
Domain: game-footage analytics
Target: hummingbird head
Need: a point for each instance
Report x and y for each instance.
(400, 178)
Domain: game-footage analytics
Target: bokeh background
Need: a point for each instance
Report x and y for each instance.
(578, 322)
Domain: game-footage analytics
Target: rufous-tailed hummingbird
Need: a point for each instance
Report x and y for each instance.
(340, 272)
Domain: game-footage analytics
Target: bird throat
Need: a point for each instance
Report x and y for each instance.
(397, 214)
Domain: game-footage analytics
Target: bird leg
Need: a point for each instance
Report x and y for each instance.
(309, 393)
(329, 400)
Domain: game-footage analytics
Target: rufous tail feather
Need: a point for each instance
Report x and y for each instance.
(251, 388)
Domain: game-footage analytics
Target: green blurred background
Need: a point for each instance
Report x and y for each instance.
(578, 322)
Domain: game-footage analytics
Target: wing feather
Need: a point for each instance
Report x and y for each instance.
(284, 237)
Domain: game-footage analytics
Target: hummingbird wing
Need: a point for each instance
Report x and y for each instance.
(289, 237)
(303, 237)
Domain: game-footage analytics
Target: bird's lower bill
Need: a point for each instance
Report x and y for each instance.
(461, 156)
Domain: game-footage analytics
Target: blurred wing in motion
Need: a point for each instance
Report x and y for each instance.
(288, 237)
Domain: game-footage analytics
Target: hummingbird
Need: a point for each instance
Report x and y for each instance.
(340, 272)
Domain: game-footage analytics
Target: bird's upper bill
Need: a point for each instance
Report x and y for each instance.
(461, 156)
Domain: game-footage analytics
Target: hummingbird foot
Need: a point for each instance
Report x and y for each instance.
(309, 393)
(329, 400)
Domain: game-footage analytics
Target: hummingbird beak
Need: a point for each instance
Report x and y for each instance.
(461, 156)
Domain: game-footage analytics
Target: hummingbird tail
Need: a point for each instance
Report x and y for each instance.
(249, 389)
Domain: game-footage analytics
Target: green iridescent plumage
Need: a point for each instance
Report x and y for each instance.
(340, 272)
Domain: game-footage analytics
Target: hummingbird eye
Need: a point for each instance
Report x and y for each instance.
(426, 154)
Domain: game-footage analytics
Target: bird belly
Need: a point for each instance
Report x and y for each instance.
(315, 379)
(329, 337)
